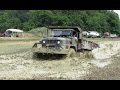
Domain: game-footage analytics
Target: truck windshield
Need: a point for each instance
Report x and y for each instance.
(61, 33)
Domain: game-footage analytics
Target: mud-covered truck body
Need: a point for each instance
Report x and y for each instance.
(63, 40)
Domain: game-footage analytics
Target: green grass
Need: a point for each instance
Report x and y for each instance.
(13, 45)
(103, 39)
(10, 45)
(3, 40)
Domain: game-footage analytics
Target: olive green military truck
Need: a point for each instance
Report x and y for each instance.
(61, 40)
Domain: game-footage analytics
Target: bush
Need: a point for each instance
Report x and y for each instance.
(40, 31)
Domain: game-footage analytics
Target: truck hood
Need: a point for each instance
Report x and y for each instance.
(55, 38)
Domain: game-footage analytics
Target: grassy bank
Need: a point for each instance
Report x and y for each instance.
(13, 45)
(3, 40)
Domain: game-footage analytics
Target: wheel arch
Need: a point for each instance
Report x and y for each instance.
(73, 47)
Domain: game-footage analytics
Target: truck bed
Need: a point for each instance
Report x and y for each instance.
(88, 45)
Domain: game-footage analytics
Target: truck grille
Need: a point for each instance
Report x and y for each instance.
(51, 44)
(51, 41)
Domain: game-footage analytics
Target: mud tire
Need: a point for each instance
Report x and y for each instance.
(35, 55)
(89, 55)
(71, 53)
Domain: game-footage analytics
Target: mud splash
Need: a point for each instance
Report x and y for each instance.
(106, 50)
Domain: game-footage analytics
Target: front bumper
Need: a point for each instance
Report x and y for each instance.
(50, 51)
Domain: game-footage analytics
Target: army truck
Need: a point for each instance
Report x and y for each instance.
(63, 41)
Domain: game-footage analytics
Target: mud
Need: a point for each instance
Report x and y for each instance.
(22, 66)
(107, 49)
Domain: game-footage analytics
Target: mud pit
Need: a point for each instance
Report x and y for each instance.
(22, 66)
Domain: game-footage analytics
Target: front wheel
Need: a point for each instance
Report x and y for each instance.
(35, 55)
(71, 53)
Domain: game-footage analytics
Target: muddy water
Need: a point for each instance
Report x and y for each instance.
(22, 66)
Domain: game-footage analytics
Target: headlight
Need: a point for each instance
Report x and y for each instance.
(58, 42)
(43, 41)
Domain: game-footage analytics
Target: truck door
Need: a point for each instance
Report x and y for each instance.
(79, 43)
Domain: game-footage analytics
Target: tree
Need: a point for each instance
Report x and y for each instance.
(89, 20)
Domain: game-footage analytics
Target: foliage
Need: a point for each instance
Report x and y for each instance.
(89, 20)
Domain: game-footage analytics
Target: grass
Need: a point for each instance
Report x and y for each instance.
(13, 45)
(103, 39)
(3, 40)
(9, 45)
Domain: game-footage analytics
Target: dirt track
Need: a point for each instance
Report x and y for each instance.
(21, 65)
